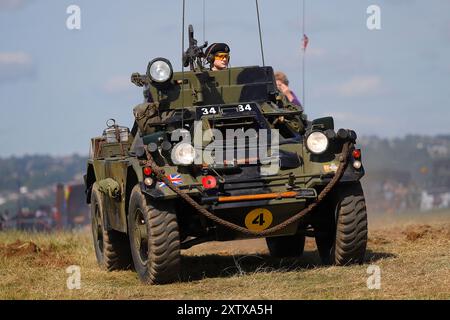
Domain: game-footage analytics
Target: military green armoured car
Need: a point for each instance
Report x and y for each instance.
(217, 156)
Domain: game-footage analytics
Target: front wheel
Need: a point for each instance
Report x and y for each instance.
(154, 239)
(342, 231)
(112, 249)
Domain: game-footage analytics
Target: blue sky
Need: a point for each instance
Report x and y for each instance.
(58, 86)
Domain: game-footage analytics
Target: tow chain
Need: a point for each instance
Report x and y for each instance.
(160, 174)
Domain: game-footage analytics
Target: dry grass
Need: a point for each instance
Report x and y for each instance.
(412, 252)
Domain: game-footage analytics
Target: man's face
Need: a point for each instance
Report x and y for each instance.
(282, 87)
(221, 61)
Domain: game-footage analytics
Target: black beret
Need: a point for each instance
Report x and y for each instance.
(217, 47)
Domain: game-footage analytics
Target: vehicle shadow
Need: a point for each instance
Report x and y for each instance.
(223, 266)
(374, 256)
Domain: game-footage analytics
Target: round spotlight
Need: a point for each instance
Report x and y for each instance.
(183, 154)
(160, 70)
(317, 142)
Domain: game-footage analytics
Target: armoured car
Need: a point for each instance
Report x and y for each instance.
(218, 156)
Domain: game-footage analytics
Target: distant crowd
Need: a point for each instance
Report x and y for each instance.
(391, 196)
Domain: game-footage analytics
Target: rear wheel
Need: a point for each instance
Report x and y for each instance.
(111, 247)
(154, 239)
(288, 246)
(342, 227)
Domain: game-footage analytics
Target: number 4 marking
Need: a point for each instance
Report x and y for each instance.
(259, 220)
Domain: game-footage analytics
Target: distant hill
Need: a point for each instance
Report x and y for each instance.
(37, 171)
(36, 176)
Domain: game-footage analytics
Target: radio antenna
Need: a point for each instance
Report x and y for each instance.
(204, 19)
(182, 67)
(260, 35)
(305, 43)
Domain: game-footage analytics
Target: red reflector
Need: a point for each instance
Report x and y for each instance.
(209, 182)
(356, 153)
(147, 171)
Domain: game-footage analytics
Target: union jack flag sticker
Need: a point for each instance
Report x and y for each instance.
(174, 178)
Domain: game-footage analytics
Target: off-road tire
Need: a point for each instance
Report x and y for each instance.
(342, 237)
(154, 239)
(112, 247)
(287, 246)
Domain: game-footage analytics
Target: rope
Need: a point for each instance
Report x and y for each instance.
(160, 174)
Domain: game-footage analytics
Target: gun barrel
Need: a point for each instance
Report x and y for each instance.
(194, 53)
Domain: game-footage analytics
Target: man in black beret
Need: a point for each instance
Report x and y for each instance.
(218, 56)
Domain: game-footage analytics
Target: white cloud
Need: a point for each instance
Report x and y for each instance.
(359, 86)
(15, 65)
(117, 84)
(19, 58)
(12, 4)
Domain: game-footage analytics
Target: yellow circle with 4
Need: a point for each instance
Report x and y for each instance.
(258, 219)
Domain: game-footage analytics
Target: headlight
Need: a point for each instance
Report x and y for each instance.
(160, 70)
(317, 142)
(183, 154)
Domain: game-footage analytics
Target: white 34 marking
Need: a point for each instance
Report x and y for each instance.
(210, 111)
(246, 108)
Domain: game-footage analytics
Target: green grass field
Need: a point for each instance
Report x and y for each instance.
(412, 252)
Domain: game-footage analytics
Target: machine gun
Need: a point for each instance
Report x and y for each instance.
(194, 54)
